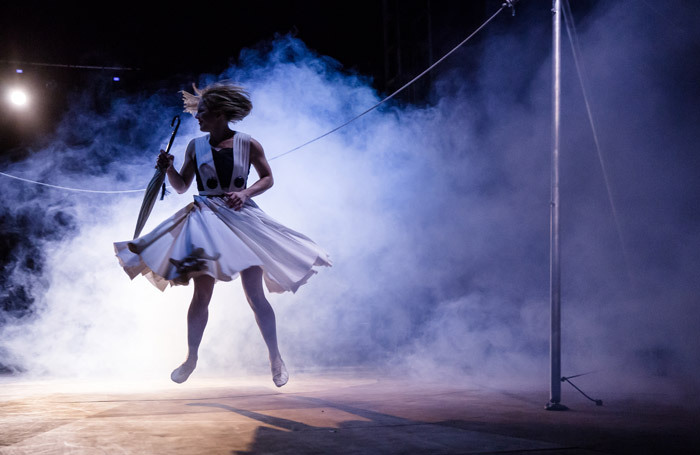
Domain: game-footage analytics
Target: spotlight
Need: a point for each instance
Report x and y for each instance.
(18, 97)
(116, 79)
(19, 71)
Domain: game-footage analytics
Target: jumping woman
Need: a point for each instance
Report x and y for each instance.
(222, 233)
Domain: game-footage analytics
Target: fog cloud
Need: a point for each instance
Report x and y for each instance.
(436, 218)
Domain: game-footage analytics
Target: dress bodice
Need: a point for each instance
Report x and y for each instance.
(211, 185)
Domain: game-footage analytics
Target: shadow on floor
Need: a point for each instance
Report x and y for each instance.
(372, 432)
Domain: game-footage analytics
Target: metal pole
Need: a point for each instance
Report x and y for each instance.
(554, 255)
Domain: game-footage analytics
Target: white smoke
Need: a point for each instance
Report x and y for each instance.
(436, 218)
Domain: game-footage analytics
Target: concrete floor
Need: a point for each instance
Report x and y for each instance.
(344, 412)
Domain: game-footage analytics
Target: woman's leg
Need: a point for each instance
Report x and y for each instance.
(252, 281)
(197, 317)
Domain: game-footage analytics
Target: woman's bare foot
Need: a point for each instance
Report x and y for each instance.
(181, 373)
(280, 376)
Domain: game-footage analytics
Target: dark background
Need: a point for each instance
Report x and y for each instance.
(65, 47)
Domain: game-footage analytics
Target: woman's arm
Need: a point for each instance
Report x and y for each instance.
(182, 180)
(264, 183)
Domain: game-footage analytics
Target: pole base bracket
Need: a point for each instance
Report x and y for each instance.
(555, 407)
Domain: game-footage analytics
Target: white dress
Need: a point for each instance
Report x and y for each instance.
(208, 238)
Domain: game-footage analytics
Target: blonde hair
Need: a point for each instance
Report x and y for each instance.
(221, 97)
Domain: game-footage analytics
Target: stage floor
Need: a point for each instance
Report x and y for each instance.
(340, 412)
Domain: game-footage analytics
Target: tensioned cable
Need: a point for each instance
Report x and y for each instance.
(568, 379)
(573, 40)
(67, 65)
(506, 4)
(59, 187)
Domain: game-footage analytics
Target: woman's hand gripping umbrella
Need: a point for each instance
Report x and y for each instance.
(158, 180)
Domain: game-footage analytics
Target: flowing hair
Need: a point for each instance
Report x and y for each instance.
(222, 97)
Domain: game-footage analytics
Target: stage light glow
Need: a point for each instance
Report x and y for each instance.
(18, 97)
(19, 71)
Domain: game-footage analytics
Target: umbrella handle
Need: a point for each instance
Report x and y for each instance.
(172, 136)
(170, 143)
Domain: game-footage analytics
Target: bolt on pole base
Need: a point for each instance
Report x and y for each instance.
(551, 406)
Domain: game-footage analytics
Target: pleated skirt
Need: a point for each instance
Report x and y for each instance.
(208, 238)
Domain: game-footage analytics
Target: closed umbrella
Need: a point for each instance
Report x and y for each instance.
(158, 180)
